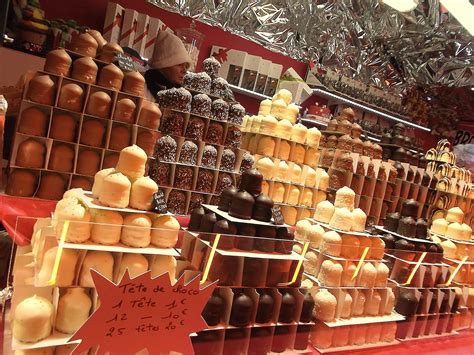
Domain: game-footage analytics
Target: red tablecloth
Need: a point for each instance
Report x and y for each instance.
(18, 216)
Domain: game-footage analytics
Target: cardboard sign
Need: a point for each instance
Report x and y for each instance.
(144, 313)
(124, 62)
(277, 216)
(159, 202)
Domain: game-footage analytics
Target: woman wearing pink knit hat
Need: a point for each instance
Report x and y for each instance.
(168, 65)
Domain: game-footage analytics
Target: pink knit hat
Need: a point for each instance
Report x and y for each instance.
(169, 51)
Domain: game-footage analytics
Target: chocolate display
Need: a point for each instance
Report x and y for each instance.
(227, 160)
(247, 162)
(224, 181)
(265, 307)
(251, 181)
(236, 114)
(226, 198)
(215, 133)
(214, 309)
(407, 304)
(287, 308)
(200, 82)
(176, 202)
(220, 110)
(201, 105)
(165, 149)
(262, 209)
(209, 157)
(195, 128)
(173, 123)
(219, 87)
(410, 208)
(195, 219)
(176, 99)
(204, 180)
(196, 200)
(211, 66)
(241, 312)
(160, 173)
(233, 137)
(188, 153)
(242, 205)
(228, 230)
(183, 177)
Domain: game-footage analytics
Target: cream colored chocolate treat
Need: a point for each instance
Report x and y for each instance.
(449, 249)
(454, 231)
(256, 122)
(313, 135)
(301, 229)
(289, 214)
(73, 310)
(324, 211)
(348, 273)
(66, 271)
(390, 304)
(358, 335)
(298, 154)
(265, 166)
(283, 150)
(325, 304)
(266, 146)
(341, 337)
(278, 192)
(132, 162)
(265, 187)
(268, 125)
(162, 264)
(115, 191)
(330, 273)
(285, 95)
(462, 250)
(311, 157)
(374, 331)
(253, 143)
(377, 249)
(315, 235)
(310, 179)
(100, 261)
(142, 191)
(294, 195)
(439, 226)
(347, 305)
(79, 218)
(359, 219)
(345, 198)
(307, 199)
(341, 219)
(296, 174)
(165, 232)
(265, 107)
(32, 320)
(298, 133)
(284, 128)
(388, 332)
(372, 306)
(305, 213)
(359, 303)
(99, 179)
(350, 246)
(382, 275)
(323, 180)
(365, 242)
(321, 336)
(136, 230)
(368, 274)
(455, 214)
(278, 109)
(107, 227)
(311, 262)
(291, 113)
(331, 243)
(466, 232)
(136, 264)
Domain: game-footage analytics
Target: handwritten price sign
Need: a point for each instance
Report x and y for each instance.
(144, 313)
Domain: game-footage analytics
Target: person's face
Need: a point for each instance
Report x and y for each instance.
(176, 73)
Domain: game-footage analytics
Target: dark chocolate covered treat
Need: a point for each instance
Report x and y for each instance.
(308, 306)
(425, 181)
(428, 278)
(407, 304)
(302, 337)
(220, 110)
(160, 173)
(402, 275)
(398, 139)
(241, 309)
(215, 133)
(262, 209)
(226, 198)
(227, 230)
(219, 87)
(175, 98)
(188, 153)
(265, 307)
(407, 227)
(284, 243)
(183, 177)
(242, 205)
(224, 269)
(227, 160)
(224, 181)
(410, 175)
(417, 179)
(252, 275)
(214, 309)
(344, 143)
(207, 222)
(236, 114)
(247, 162)
(204, 180)
(344, 162)
(287, 308)
(177, 202)
(214, 200)
(246, 240)
(421, 228)
(201, 105)
(434, 182)
(209, 157)
(410, 208)
(251, 182)
(404, 249)
(386, 154)
(282, 339)
(400, 170)
(173, 123)
(420, 247)
(165, 149)
(422, 162)
(211, 66)
(386, 138)
(198, 82)
(389, 241)
(233, 137)
(195, 219)
(196, 201)
(266, 239)
(400, 155)
(195, 128)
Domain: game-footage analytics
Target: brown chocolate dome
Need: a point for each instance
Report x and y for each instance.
(84, 44)
(111, 77)
(58, 62)
(134, 83)
(242, 205)
(85, 69)
(41, 89)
